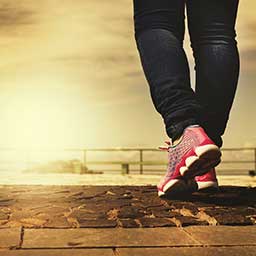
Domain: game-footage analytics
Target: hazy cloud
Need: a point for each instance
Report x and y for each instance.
(85, 50)
(12, 14)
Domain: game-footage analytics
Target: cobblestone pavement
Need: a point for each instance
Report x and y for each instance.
(46, 217)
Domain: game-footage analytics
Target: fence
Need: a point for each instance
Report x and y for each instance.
(125, 165)
(237, 157)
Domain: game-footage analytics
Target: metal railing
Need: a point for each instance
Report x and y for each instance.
(125, 164)
(140, 160)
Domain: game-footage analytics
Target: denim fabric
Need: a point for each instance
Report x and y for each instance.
(159, 27)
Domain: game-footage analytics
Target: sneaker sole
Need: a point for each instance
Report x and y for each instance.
(205, 185)
(173, 187)
(207, 157)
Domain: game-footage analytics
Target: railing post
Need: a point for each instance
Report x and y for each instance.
(125, 168)
(255, 159)
(85, 157)
(84, 167)
(141, 160)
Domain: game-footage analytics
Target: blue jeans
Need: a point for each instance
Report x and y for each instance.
(159, 33)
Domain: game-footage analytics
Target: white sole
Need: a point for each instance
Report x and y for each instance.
(207, 157)
(173, 187)
(207, 184)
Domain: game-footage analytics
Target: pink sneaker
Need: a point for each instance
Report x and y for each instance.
(207, 181)
(193, 156)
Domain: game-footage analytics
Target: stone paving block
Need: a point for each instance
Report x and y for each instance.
(183, 221)
(10, 237)
(105, 237)
(58, 222)
(188, 206)
(162, 212)
(223, 216)
(156, 222)
(100, 223)
(130, 212)
(223, 235)
(192, 251)
(66, 252)
(231, 220)
(128, 223)
(81, 214)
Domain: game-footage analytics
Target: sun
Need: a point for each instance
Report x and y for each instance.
(43, 113)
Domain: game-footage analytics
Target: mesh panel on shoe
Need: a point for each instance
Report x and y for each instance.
(175, 154)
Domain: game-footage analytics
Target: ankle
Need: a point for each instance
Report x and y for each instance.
(177, 141)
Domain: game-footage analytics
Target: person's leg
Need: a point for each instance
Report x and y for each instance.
(159, 32)
(212, 32)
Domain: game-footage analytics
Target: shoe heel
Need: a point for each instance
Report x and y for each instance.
(208, 151)
(174, 187)
(207, 157)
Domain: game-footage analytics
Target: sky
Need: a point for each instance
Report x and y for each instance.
(70, 76)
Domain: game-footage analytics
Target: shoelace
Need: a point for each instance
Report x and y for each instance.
(164, 148)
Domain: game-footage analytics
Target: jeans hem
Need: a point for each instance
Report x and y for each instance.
(174, 131)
